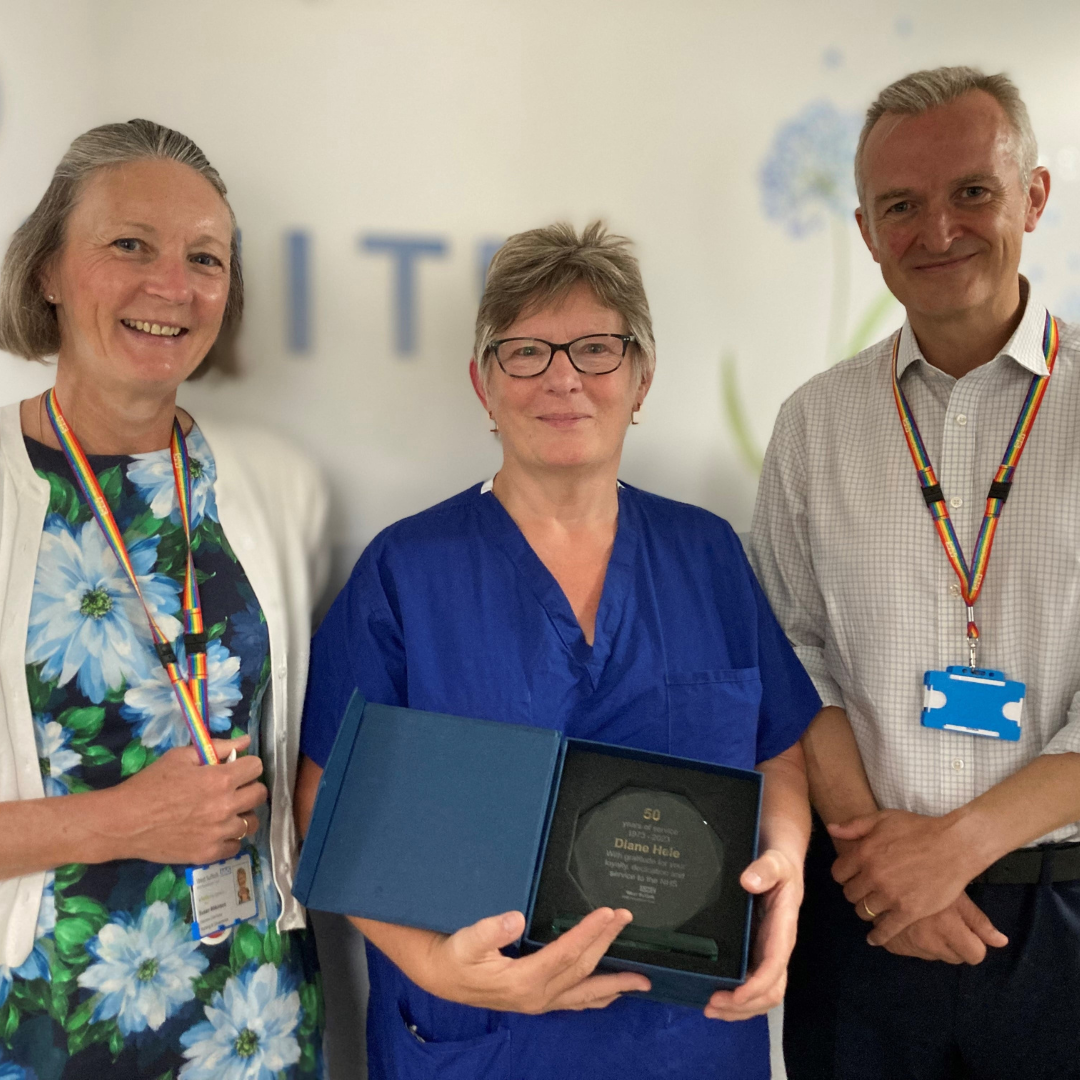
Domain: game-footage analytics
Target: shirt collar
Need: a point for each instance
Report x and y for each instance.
(1025, 346)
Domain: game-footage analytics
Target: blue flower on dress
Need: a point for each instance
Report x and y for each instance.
(152, 475)
(36, 965)
(250, 1029)
(56, 759)
(10, 1070)
(250, 639)
(85, 618)
(808, 174)
(143, 969)
(151, 704)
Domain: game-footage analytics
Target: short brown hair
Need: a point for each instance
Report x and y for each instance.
(536, 268)
(28, 325)
(921, 91)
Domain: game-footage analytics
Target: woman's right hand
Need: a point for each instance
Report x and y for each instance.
(178, 810)
(469, 968)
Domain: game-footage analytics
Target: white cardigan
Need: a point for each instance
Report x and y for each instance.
(272, 505)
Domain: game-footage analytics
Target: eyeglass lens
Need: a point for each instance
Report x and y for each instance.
(596, 355)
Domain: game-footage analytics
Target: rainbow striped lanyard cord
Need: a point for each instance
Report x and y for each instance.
(190, 688)
(972, 578)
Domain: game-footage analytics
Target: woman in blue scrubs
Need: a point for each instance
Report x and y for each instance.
(554, 595)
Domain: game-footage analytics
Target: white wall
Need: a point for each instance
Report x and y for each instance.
(468, 121)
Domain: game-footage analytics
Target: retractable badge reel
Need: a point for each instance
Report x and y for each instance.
(974, 700)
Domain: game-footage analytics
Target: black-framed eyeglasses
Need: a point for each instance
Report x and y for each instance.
(593, 354)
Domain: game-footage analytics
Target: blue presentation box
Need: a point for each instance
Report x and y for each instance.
(438, 821)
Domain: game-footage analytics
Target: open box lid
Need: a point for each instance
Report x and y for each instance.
(427, 820)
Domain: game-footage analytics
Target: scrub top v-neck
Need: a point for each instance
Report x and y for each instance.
(452, 611)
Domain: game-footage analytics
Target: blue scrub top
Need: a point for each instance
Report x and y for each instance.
(452, 611)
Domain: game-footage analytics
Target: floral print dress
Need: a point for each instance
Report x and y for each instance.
(116, 986)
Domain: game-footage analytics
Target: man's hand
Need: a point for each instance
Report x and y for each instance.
(903, 868)
(778, 883)
(960, 934)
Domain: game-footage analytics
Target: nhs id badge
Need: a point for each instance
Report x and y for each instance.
(975, 701)
(222, 895)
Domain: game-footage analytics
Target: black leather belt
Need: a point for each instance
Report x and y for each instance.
(1033, 866)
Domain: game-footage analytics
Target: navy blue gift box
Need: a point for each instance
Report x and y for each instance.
(438, 821)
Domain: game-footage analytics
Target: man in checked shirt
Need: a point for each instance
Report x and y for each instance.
(940, 936)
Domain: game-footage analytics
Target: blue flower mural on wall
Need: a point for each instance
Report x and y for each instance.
(807, 185)
(807, 177)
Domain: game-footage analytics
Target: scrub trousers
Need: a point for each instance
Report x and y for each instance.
(857, 1012)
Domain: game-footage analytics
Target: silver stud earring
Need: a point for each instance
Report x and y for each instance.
(50, 298)
(495, 429)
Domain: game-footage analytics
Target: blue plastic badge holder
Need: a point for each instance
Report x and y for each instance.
(973, 701)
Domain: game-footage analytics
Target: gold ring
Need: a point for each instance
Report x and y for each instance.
(243, 818)
(872, 914)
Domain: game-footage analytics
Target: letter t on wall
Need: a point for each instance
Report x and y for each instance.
(405, 251)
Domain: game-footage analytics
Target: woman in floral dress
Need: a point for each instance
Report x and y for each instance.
(128, 269)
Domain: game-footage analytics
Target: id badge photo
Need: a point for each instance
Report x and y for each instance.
(222, 895)
(975, 701)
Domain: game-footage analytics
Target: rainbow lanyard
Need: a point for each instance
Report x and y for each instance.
(191, 690)
(971, 580)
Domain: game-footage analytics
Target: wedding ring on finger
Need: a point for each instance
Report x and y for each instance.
(872, 914)
(243, 818)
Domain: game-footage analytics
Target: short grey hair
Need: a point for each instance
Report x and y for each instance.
(28, 324)
(921, 91)
(536, 268)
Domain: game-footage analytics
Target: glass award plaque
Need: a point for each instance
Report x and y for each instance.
(653, 853)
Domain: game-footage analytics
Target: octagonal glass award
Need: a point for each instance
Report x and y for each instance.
(653, 853)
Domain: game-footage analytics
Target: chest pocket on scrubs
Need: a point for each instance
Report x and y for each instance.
(417, 1058)
(713, 715)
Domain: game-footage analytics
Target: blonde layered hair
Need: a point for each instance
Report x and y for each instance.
(28, 324)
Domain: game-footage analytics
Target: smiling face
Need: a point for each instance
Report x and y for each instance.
(142, 279)
(944, 212)
(563, 419)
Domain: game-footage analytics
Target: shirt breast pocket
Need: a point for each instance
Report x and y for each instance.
(713, 715)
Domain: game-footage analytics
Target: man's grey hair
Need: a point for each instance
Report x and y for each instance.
(28, 324)
(536, 268)
(924, 90)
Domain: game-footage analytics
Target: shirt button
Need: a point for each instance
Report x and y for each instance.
(958, 764)
(961, 419)
(956, 502)
(954, 589)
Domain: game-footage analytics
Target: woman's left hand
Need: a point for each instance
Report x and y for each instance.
(778, 883)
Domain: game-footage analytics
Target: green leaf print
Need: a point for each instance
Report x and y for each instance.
(85, 722)
(59, 1002)
(72, 934)
(96, 754)
(246, 946)
(134, 758)
(64, 499)
(41, 693)
(75, 785)
(172, 552)
(272, 948)
(68, 875)
(115, 695)
(144, 524)
(161, 888)
(111, 482)
(32, 995)
(116, 1042)
(80, 1017)
(95, 1033)
(216, 631)
(212, 982)
(95, 911)
(9, 1021)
